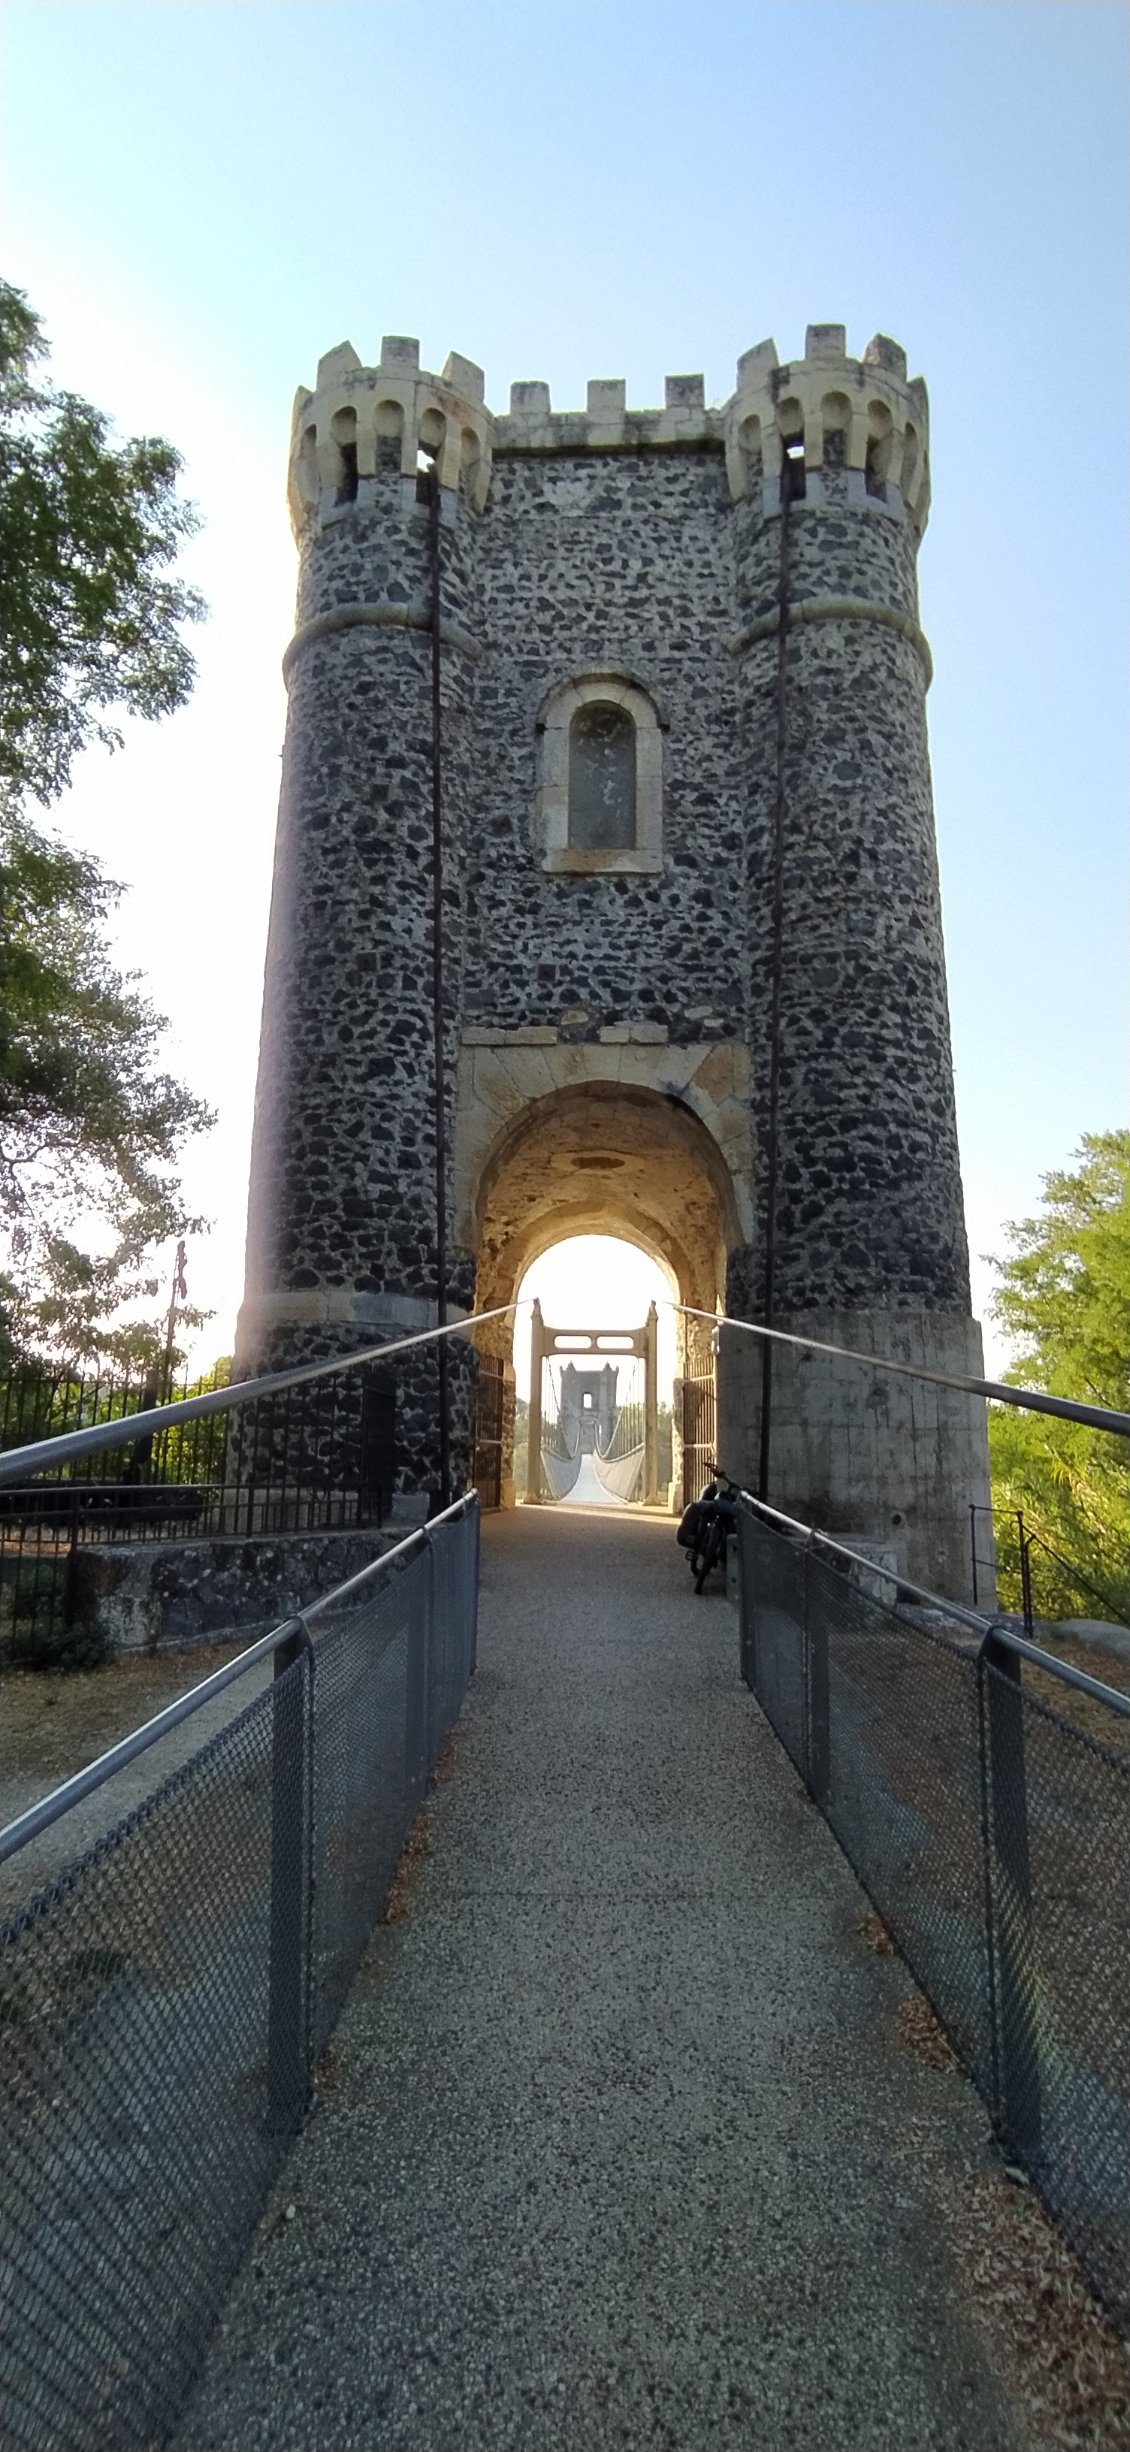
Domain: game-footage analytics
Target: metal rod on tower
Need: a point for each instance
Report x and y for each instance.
(437, 1005)
(780, 813)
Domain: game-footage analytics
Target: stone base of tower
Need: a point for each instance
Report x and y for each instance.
(861, 1452)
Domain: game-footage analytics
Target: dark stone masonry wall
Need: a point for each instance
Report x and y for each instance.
(621, 564)
(638, 563)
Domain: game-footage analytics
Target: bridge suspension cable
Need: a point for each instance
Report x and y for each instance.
(1030, 1400)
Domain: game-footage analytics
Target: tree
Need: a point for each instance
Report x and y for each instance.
(90, 1127)
(1064, 1301)
(90, 620)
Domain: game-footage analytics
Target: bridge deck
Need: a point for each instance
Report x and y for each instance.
(617, 2145)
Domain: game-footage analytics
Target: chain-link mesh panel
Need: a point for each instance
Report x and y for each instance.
(453, 1552)
(773, 1589)
(894, 1762)
(161, 2004)
(1059, 1827)
(371, 1765)
(137, 2136)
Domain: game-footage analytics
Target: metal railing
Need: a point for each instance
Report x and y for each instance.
(166, 1997)
(980, 1787)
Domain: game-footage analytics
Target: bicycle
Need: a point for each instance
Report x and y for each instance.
(707, 1525)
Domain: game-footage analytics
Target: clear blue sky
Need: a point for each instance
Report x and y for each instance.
(202, 199)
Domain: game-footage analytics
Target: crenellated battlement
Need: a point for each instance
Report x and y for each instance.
(825, 411)
(362, 421)
(831, 411)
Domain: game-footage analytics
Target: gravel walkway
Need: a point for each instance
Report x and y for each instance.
(616, 2145)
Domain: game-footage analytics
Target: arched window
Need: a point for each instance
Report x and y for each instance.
(600, 801)
(602, 779)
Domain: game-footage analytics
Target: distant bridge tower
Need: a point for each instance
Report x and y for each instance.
(694, 987)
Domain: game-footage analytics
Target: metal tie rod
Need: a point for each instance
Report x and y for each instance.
(18, 1461)
(1030, 1400)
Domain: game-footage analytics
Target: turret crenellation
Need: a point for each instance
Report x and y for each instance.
(832, 411)
(825, 409)
(364, 421)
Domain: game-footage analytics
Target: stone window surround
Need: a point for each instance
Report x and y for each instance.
(645, 856)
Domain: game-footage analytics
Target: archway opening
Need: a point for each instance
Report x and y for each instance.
(593, 1403)
(612, 1159)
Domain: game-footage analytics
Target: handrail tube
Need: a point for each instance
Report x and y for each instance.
(1030, 1400)
(121, 1433)
(986, 1628)
(58, 1801)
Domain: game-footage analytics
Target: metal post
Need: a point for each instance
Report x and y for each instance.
(1011, 1939)
(651, 1408)
(780, 813)
(747, 1605)
(1026, 1577)
(440, 1065)
(819, 1745)
(533, 1451)
(973, 1546)
(292, 1858)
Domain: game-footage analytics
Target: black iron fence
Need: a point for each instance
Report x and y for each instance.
(488, 1430)
(319, 1456)
(165, 2000)
(981, 1790)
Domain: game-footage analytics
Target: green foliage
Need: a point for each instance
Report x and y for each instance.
(90, 1127)
(1064, 1301)
(89, 617)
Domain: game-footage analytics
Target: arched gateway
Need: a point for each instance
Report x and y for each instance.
(653, 684)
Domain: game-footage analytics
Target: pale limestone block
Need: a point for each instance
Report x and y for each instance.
(615, 1034)
(337, 362)
(529, 400)
(888, 354)
(825, 341)
(607, 400)
(756, 365)
(684, 392)
(465, 378)
(399, 354)
(494, 1084)
(532, 1070)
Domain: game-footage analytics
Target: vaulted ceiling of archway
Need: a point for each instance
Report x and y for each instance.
(601, 1160)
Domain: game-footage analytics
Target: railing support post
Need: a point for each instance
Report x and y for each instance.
(292, 1858)
(819, 1724)
(1011, 1940)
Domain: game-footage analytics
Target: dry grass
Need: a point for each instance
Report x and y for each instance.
(1061, 2353)
(1061, 2358)
(56, 1721)
(918, 2028)
(413, 1855)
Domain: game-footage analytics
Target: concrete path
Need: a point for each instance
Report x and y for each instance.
(617, 2145)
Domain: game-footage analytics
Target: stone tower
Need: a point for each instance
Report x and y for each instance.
(694, 986)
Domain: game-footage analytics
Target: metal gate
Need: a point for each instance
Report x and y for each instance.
(698, 1429)
(488, 1431)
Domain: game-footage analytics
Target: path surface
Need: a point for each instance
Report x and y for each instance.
(588, 1490)
(616, 2145)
